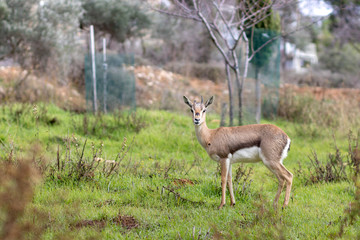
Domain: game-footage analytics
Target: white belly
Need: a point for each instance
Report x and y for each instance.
(245, 155)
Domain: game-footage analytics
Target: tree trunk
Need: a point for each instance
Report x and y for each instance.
(231, 107)
(243, 78)
(223, 114)
(239, 85)
(258, 96)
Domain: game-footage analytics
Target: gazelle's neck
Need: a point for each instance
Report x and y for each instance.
(203, 134)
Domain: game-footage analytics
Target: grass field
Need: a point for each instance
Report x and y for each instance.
(161, 184)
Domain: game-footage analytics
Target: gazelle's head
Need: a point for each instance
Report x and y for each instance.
(198, 109)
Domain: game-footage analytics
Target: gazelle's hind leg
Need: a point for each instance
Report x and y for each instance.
(288, 178)
(284, 177)
(230, 186)
(280, 188)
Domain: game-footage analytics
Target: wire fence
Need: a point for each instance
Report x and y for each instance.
(115, 85)
(265, 67)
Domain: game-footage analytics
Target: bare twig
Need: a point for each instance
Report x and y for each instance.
(179, 197)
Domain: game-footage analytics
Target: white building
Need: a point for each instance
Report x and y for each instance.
(300, 60)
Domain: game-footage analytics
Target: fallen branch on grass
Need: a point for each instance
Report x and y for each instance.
(179, 198)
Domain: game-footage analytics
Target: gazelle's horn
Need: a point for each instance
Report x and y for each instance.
(202, 100)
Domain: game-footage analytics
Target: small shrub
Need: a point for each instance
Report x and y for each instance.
(136, 122)
(337, 167)
(75, 164)
(332, 171)
(354, 153)
(242, 181)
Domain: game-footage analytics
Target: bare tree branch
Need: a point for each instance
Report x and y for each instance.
(224, 20)
(192, 17)
(213, 38)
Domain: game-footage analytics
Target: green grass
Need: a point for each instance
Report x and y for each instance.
(315, 211)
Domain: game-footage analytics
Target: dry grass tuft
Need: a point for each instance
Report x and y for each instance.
(17, 183)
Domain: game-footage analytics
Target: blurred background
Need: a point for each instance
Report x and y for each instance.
(155, 58)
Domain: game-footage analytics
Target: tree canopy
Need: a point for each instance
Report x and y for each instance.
(36, 33)
(120, 19)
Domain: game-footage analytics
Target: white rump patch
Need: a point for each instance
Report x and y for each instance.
(285, 151)
(245, 155)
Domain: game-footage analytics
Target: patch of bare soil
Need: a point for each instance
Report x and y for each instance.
(128, 222)
(157, 88)
(20, 85)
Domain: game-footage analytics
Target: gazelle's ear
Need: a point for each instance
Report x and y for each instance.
(210, 101)
(187, 102)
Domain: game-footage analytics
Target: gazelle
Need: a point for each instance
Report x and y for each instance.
(250, 143)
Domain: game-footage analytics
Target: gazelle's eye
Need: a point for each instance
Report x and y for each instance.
(204, 110)
(192, 110)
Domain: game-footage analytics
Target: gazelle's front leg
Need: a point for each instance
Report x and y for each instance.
(224, 166)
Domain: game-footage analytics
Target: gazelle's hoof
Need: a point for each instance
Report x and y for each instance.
(221, 206)
(232, 204)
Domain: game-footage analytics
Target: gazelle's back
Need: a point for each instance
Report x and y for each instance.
(227, 140)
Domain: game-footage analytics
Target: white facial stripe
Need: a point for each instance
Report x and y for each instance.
(198, 108)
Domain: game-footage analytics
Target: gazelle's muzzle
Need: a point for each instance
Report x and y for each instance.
(196, 121)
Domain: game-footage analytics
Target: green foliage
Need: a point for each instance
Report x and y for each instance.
(45, 35)
(4, 12)
(37, 35)
(120, 19)
(339, 58)
(259, 38)
(16, 23)
(342, 9)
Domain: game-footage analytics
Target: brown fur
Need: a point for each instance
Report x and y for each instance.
(225, 140)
